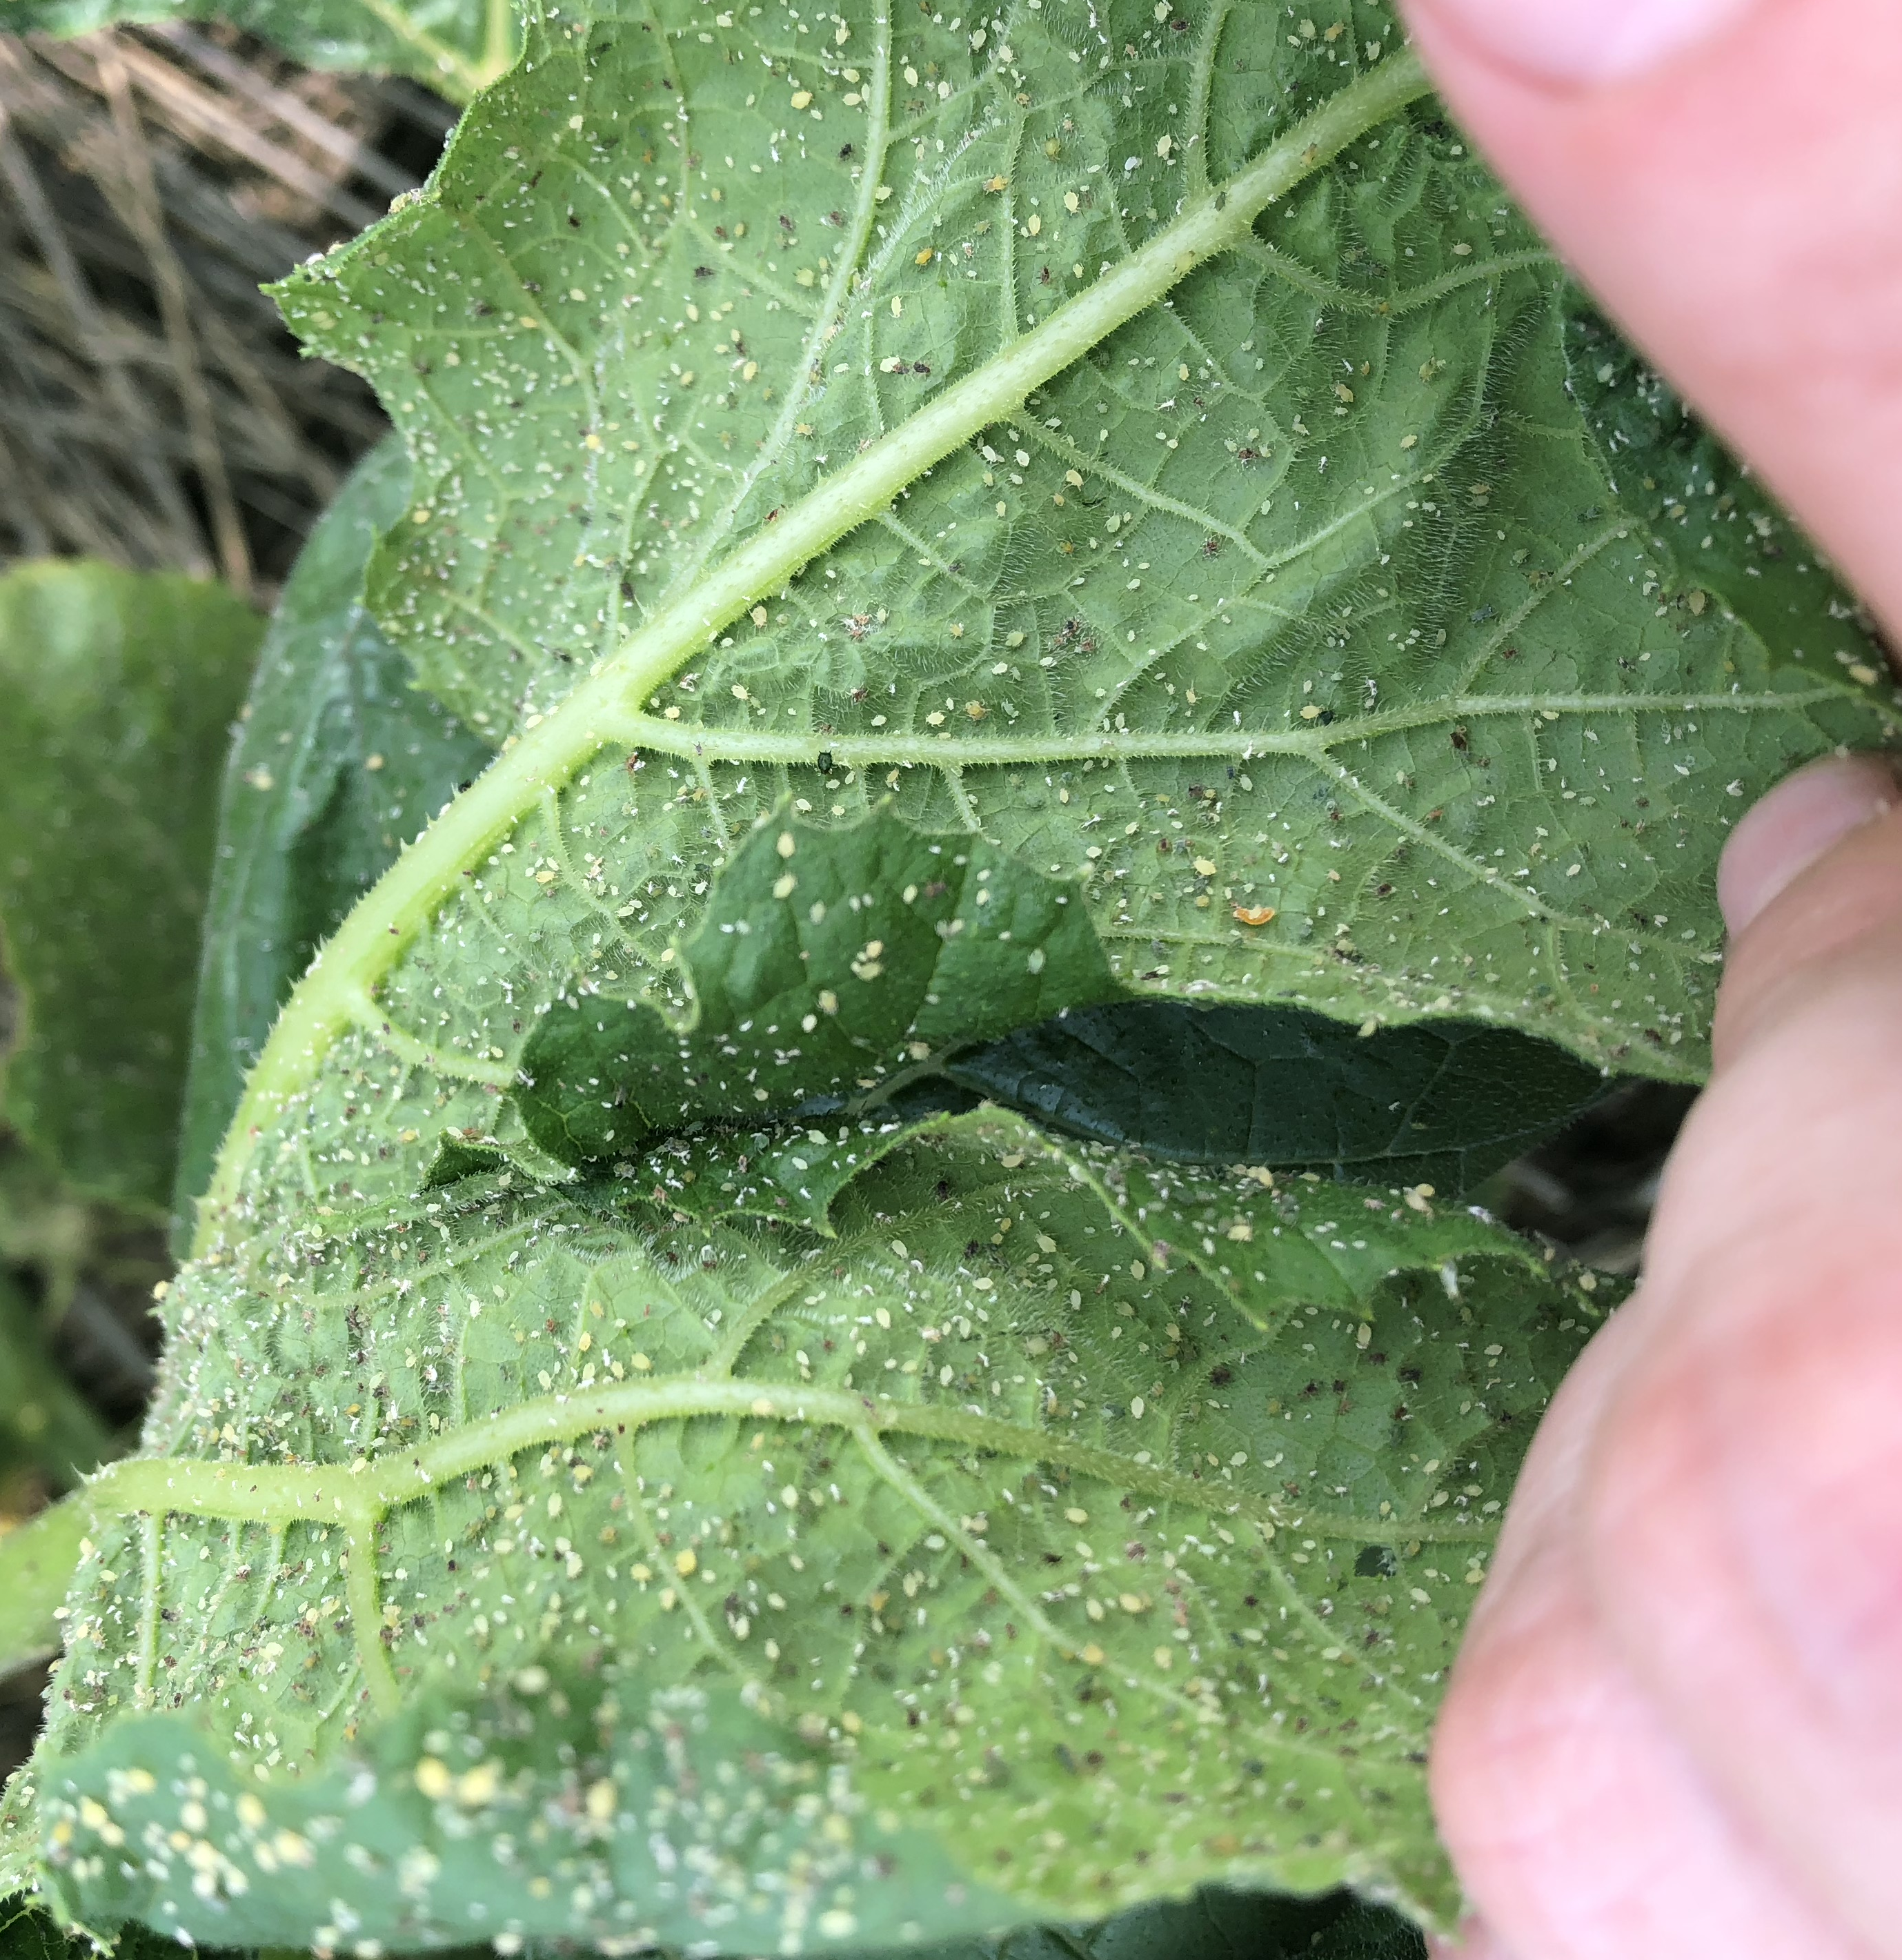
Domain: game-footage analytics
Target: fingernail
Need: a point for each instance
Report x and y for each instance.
(1577, 42)
(1793, 826)
(1472, 1943)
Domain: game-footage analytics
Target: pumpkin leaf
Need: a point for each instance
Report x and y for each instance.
(1179, 480)
(1443, 1103)
(826, 960)
(1182, 1480)
(339, 762)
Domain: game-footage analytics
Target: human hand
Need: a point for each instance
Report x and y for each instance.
(1676, 1730)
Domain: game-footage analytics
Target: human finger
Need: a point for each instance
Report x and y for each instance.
(1582, 1828)
(1743, 1512)
(1724, 175)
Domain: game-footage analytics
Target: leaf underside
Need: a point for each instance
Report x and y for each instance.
(1347, 605)
(1142, 1501)
(836, 970)
(337, 763)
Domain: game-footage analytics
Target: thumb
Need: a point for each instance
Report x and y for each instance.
(1725, 175)
(1743, 1505)
(1811, 885)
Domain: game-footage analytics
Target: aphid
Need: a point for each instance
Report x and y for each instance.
(858, 625)
(1246, 457)
(1211, 547)
(1458, 738)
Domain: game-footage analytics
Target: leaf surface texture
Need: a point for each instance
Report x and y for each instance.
(337, 763)
(1144, 1500)
(1309, 570)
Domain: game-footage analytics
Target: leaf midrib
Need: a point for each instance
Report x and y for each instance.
(364, 1494)
(545, 756)
(359, 1497)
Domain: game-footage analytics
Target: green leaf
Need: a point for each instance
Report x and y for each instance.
(120, 687)
(833, 968)
(1439, 1103)
(37, 1560)
(1345, 603)
(1143, 1501)
(338, 763)
(454, 46)
(1735, 548)
(826, 960)
(671, 1817)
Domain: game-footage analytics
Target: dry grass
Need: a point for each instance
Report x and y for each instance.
(153, 410)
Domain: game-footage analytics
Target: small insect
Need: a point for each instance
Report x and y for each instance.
(1246, 457)
(858, 625)
(1459, 740)
(1255, 915)
(1211, 547)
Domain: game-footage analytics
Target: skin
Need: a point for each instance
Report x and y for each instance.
(1676, 1729)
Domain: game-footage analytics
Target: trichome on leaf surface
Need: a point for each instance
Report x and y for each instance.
(837, 1314)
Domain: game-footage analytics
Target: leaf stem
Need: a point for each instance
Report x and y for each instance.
(378, 930)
